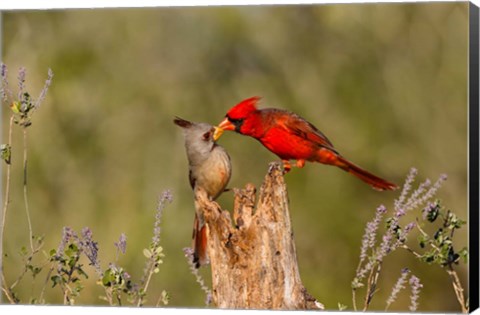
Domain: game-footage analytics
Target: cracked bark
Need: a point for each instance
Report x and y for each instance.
(253, 260)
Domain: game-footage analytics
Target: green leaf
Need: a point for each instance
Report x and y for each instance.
(429, 257)
(72, 250)
(423, 240)
(82, 272)
(147, 253)
(35, 270)
(6, 153)
(56, 279)
(464, 254)
(15, 107)
(108, 278)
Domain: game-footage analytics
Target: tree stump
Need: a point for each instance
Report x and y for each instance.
(253, 262)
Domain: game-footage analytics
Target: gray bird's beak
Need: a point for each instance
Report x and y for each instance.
(218, 133)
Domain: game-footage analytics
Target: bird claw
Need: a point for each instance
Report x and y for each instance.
(286, 166)
(300, 163)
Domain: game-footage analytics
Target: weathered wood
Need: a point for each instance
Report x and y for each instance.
(253, 261)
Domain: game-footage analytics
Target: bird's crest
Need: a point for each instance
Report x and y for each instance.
(182, 122)
(244, 108)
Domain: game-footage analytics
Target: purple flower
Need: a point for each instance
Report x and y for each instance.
(195, 271)
(387, 244)
(406, 187)
(399, 285)
(368, 240)
(43, 93)
(418, 197)
(400, 212)
(361, 273)
(5, 91)
(90, 248)
(415, 285)
(415, 197)
(121, 245)
(188, 252)
(22, 73)
(3, 70)
(67, 234)
(409, 227)
(165, 198)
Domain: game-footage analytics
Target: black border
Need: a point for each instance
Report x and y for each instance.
(474, 157)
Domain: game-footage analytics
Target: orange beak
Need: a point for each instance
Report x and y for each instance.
(224, 125)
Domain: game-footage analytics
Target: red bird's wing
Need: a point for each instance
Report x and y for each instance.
(305, 130)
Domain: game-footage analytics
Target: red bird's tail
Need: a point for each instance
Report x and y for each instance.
(199, 241)
(374, 181)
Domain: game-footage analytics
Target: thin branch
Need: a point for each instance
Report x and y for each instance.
(372, 284)
(45, 284)
(5, 206)
(457, 286)
(417, 255)
(25, 268)
(354, 298)
(7, 292)
(25, 192)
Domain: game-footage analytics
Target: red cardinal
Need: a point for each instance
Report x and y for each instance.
(291, 138)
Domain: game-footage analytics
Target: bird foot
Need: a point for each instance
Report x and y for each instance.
(300, 163)
(287, 166)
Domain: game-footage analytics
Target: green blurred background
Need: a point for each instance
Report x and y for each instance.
(387, 83)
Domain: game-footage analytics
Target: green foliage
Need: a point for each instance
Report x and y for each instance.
(438, 246)
(117, 281)
(68, 272)
(155, 254)
(22, 110)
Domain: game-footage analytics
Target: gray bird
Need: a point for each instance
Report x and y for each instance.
(209, 168)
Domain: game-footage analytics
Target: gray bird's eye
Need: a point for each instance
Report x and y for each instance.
(206, 136)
